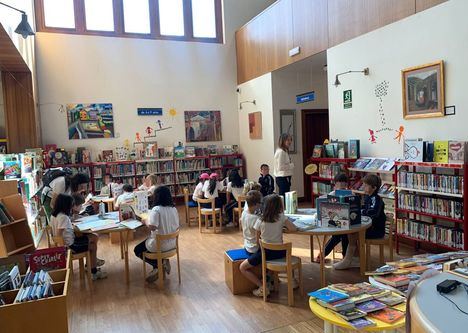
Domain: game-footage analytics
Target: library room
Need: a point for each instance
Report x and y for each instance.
(280, 166)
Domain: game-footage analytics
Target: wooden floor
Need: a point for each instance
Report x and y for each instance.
(202, 303)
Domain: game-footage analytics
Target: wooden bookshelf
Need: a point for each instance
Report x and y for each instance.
(454, 194)
(44, 315)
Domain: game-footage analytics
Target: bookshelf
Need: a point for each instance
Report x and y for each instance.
(430, 205)
(327, 169)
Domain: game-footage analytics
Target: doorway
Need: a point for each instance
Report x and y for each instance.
(315, 129)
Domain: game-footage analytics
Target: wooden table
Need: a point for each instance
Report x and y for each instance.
(331, 321)
(322, 234)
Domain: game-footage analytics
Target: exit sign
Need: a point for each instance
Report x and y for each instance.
(347, 99)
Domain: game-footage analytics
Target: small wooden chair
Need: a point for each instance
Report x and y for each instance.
(188, 204)
(206, 212)
(238, 210)
(53, 241)
(287, 264)
(381, 242)
(159, 255)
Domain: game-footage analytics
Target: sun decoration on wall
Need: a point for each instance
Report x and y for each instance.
(172, 112)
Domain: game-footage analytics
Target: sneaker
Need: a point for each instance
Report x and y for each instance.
(99, 275)
(153, 276)
(100, 262)
(343, 264)
(167, 266)
(259, 292)
(230, 224)
(355, 263)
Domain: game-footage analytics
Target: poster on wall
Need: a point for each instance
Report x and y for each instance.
(90, 121)
(255, 125)
(423, 91)
(202, 126)
(288, 125)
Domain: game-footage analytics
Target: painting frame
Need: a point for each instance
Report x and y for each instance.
(288, 125)
(255, 125)
(203, 126)
(410, 111)
(90, 121)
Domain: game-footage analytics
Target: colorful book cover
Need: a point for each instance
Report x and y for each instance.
(330, 150)
(291, 202)
(388, 164)
(361, 298)
(328, 295)
(441, 149)
(371, 306)
(26, 164)
(317, 152)
(361, 323)
(342, 149)
(375, 164)
(414, 150)
(334, 214)
(361, 163)
(107, 155)
(346, 288)
(351, 314)
(190, 151)
(368, 288)
(456, 151)
(48, 259)
(394, 281)
(213, 149)
(341, 305)
(354, 150)
(179, 152)
(12, 169)
(387, 315)
(391, 300)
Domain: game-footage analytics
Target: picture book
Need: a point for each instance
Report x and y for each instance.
(291, 202)
(387, 315)
(361, 323)
(317, 152)
(375, 164)
(392, 300)
(346, 288)
(361, 298)
(12, 169)
(371, 306)
(342, 149)
(228, 149)
(351, 314)
(330, 150)
(328, 295)
(107, 155)
(413, 150)
(337, 306)
(48, 259)
(383, 293)
(387, 165)
(367, 288)
(354, 150)
(361, 163)
(141, 202)
(383, 190)
(212, 149)
(334, 214)
(456, 151)
(429, 156)
(15, 277)
(190, 151)
(394, 280)
(26, 163)
(441, 151)
(417, 269)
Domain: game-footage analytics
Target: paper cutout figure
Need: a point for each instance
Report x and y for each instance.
(160, 124)
(138, 138)
(127, 143)
(372, 136)
(399, 134)
(149, 130)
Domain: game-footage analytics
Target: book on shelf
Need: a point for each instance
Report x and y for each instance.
(431, 182)
(361, 323)
(5, 216)
(441, 151)
(354, 149)
(342, 150)
(318, 151)
(352, 314)
(361, 163)
(328, 295)
(107, 155)
(388, 315)
(388, 164)
(190, 151)
(429, 153)
(431, 205)
(414, 150)
(212, 149)
(331, 150)
(456, 151)
(375, 164)
(371, 306)
(393, 280)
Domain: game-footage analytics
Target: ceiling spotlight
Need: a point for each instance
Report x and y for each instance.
(337, 81)
(23, 28)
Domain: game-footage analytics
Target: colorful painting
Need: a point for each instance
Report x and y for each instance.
(202, 126)
(255, 125)
(423, 91)
(90, 121)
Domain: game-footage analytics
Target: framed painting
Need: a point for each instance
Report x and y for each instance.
(288, 125)
(90, 121)
(255, 125)
(423, 91)
(202, 126)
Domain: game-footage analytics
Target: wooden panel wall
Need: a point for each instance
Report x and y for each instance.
(21, 118)
(425, 4)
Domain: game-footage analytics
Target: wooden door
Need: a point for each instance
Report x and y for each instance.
(315, 129)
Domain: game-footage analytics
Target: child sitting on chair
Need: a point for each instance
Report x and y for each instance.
(163, 220)
(126, 197)
(198, 192)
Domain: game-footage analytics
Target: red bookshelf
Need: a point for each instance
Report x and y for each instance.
(443, 183)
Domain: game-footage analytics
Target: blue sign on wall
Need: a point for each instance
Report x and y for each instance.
(306, 97)
(150, 111)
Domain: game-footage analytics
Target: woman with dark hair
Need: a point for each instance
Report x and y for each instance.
(283, 167)
(163, 220)
(234, 189)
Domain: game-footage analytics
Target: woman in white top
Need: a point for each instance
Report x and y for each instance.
(235, 188)
(211, 189)
(149, 185)
(283, 167)
(163, 220)
(198, 192)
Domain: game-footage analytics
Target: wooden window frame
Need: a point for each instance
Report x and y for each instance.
(119, 29)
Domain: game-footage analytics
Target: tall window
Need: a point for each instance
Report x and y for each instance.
(186, 20)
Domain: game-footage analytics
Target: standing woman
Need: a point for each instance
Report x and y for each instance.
(283, 167)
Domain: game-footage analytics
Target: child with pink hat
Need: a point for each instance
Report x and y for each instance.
(211, 189)
(198, 192)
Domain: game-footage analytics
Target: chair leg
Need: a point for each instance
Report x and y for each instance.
(290, 288)
(368, 249)
(144, 267)
(178, 264)
(381, 254)
(199, 222)
(390, 248)
(275, 281)
(82, 269)
(160, 274)
(301, 287)
(88, 268)
(264, 282)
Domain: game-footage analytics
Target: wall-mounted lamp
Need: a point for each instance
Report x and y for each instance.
(23, 29)
(337, 81)
(253, 102)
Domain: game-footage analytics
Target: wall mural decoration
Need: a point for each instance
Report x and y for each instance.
(423, 91)
(202, 126)
(90, 121)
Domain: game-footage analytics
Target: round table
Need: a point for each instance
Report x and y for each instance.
(322, 233)
(331, 321)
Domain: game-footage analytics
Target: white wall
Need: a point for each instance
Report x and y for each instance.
(257, 151)
(439, 33)
(292, 80)
(132, 73)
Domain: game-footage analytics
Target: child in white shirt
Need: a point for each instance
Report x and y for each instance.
(198, 192)
(211, 189)
(126, 197)
(110, 187)
(163, 220)
(149, 185)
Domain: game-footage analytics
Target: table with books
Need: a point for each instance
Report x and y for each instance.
(359, 306)
(107, 224)
(305, 222)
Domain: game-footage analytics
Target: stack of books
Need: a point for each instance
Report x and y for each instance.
(35, 286)
(361, 303)
(374, 164)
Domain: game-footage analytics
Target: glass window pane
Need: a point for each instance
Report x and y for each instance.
(136, 16)
(171, 17)
(99, 15)
(59, 13)
(204, 18)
